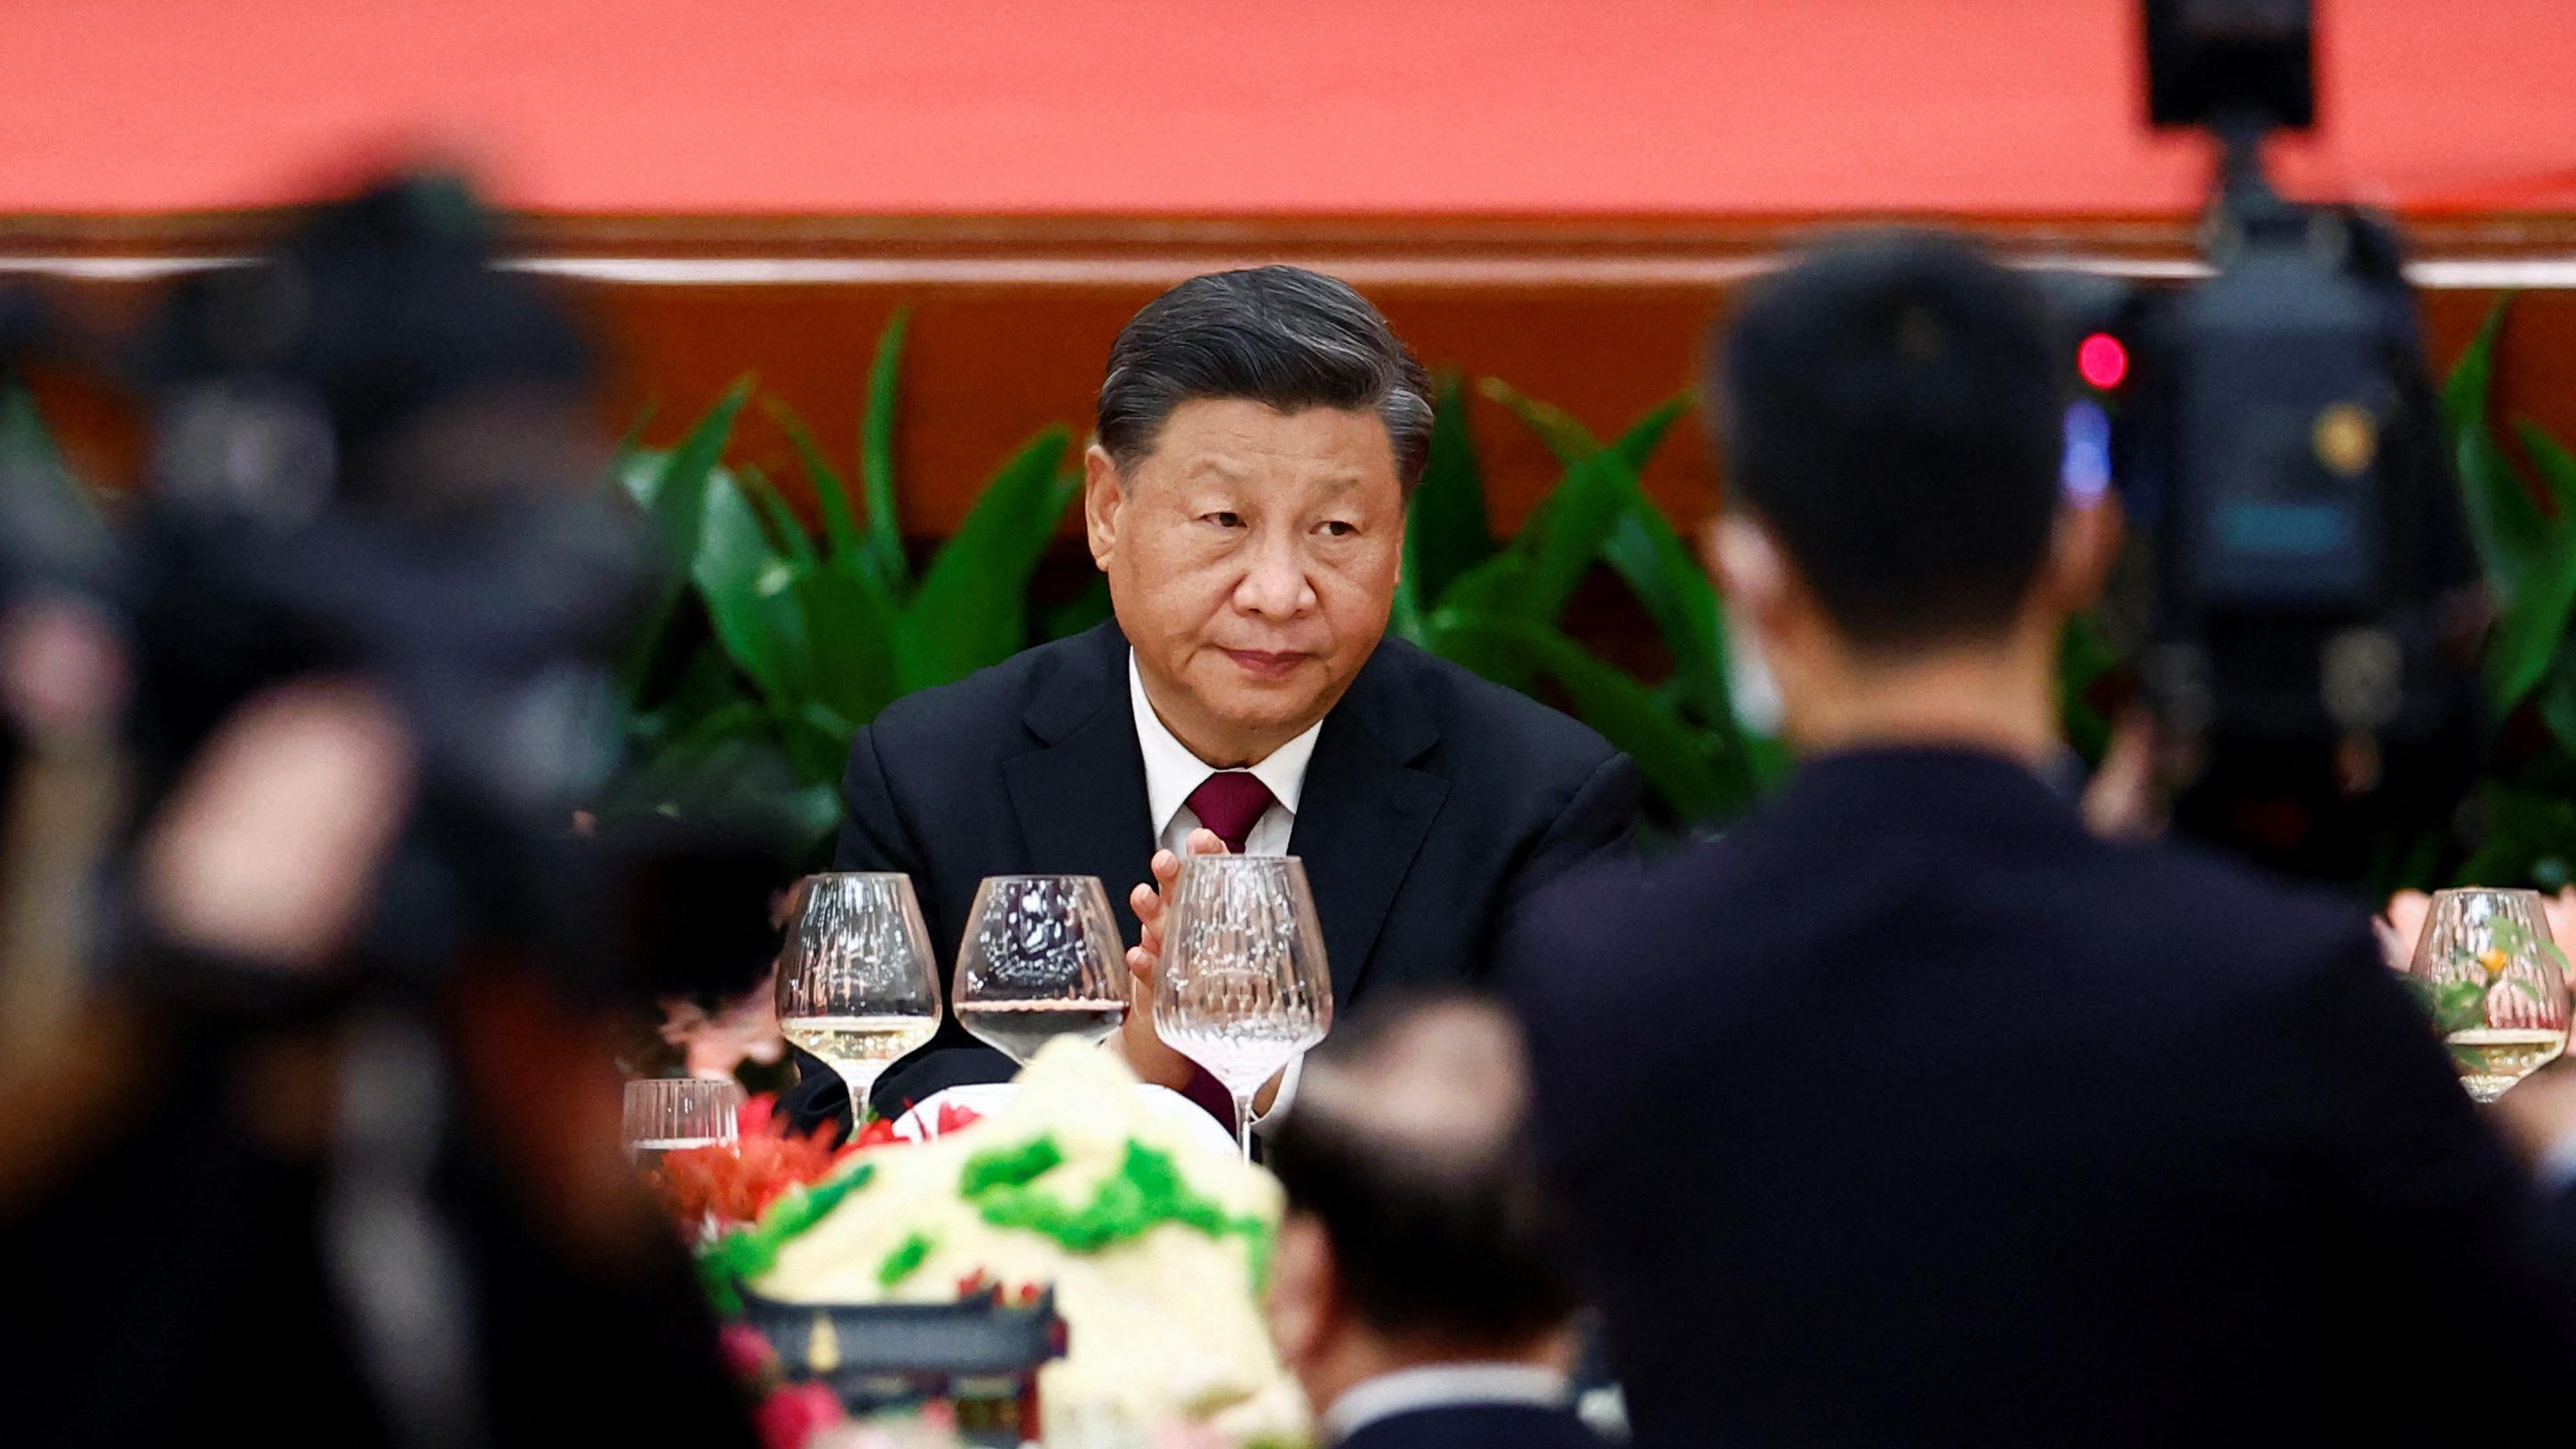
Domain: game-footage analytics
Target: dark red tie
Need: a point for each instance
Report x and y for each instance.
(1230, 802)
(1227, 802)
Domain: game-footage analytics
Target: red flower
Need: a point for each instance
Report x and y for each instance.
(735, 1184)
(789, 1417)
(746, 1354)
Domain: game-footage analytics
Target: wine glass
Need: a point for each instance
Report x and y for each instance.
(855, 982)
(1042, 959)
(1243, 987)
(2497, 985)
(670, 1114)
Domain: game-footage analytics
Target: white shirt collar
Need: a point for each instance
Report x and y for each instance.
(1440, 1386)
(1172, 772)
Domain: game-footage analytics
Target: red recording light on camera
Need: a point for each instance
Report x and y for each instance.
(2102, 361)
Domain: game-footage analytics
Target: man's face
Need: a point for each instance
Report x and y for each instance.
(1252, 559)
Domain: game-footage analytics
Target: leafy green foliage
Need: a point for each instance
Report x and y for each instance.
(741, 709)
(1501, 613)
(2523, 523)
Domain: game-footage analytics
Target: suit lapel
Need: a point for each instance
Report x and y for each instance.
(1080, 796)
(1363, 811)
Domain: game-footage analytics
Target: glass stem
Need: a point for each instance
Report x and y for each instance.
(1243, 1123)
(860, 1080)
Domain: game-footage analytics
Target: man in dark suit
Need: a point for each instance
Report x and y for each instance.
(1421, 1291)
(1909, 1113)
(1259, 433)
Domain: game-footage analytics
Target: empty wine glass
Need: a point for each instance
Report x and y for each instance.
(1243, 987)
(669, 1114)
(1042, 959)
(855, 981)
(2496, 983)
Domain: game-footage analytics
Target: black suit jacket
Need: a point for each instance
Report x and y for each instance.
(1433, 801)
(1477, 1426)
(1912, 1114)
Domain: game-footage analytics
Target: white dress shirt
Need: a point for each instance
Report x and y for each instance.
(1172, 772)
(1441, 1386)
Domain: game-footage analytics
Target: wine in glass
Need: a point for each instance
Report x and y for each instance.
(855, 982)
(672, 1114)
(1243, 987)
(1042, 959)
(2497, 985)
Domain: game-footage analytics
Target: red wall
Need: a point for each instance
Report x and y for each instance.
(1513, 107)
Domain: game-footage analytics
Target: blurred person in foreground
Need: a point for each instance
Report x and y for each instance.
(1422, 1289)
(1259, 434)
(320, 1144)
(1913, 1113)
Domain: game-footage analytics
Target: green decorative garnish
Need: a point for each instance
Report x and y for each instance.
(904, 1261)
(1146, 1192)
(750, 1252)
(1010, 1166)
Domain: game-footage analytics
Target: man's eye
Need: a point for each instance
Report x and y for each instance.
(1223, 519)
(1340, 528)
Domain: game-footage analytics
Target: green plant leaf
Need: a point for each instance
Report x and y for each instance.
(2084, 655)
(971, 609)
(831, 494)
(1404, 613)
(2505, 521)
(786, 530)
(674, 497)
(1564, 435)
(748, 588)
(2532, 622)
(817, 739)
(876, 455)
(1646, 434)
(1446, 531)
(1667, 750)
(46, 510)
(852, 624)
(1572, 442)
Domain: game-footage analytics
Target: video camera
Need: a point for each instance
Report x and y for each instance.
(373, 456)
(2274, 436)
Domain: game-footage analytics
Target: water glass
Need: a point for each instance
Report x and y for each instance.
(1243, 988)
(669, 1114)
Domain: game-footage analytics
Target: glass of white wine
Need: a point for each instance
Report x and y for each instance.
(1042, 959)
(855, 981)
(2497, 985)
(1243, 987)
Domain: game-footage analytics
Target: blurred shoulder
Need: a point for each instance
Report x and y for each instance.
(2223, 926)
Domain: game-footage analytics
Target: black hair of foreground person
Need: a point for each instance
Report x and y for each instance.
(1910, 1112)
(1423, 1291)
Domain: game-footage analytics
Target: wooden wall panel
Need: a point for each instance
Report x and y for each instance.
(1011, 319)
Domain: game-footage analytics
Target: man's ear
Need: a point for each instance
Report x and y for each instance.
(2082, 547)
(1104, 497)
(1747, 565)
(1305, 1290)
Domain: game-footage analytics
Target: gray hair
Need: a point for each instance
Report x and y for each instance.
(1281, 336)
